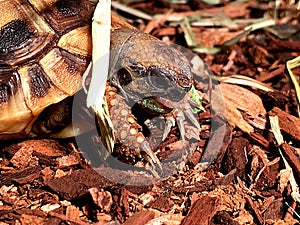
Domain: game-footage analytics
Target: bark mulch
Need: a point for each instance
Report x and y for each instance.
(237, 172)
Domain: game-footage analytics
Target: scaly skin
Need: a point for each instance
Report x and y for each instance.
(147, 72)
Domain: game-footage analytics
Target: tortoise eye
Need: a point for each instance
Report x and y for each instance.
(159, 82)
(176, 95)
(124, 77)
(157, 79)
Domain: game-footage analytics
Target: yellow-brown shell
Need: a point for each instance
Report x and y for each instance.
(45, 46)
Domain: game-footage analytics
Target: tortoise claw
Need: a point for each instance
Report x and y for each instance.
(188, 112)
(152, 159)
(180, 122)
(183, 109)
(170, 122)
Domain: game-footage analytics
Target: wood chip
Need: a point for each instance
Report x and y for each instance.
(287, 122)
(22, 157)
(69, 160)
(169, 219)
(140, 218)
(275, 211)
(73, 212)
(103, 199)
(163, 203)
(30, 219)
(291, 157)
(202, 211)
(45, 146)
(254, 208)
(21, 176)
(77, 183)
(236, 156)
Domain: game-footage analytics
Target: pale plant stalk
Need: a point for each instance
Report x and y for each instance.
(101, 26)
(279, 138)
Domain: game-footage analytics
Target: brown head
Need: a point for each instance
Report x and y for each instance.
(144, 67)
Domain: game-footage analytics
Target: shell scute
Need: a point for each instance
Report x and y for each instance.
(9, 84)
(64, 69)
(24, 34)
(39, 82)
(15, 34)
(65, 15)
(77, 41)
(45, 47)
(14, 113)
(39, 91)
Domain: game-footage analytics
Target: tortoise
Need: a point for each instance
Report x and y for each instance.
(45, 48)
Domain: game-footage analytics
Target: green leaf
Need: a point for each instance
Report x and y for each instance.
(198, 99)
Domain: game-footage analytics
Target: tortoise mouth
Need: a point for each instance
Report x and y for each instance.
(166, 102)
(158, 105)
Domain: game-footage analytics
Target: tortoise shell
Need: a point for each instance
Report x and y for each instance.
(45, 47)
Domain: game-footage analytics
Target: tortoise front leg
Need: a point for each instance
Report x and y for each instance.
(127, 130)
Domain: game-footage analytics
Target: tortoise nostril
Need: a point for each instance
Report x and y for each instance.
(185, 82)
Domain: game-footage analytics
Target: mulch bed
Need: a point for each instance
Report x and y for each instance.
(237, 173)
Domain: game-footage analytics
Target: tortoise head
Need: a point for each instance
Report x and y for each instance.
(148, 70)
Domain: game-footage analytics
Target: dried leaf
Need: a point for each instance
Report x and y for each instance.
(240, 99)
(243, 80)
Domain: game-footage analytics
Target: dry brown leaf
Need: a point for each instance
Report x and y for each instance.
(240, 99)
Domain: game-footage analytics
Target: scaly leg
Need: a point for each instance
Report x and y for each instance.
(127, 130)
